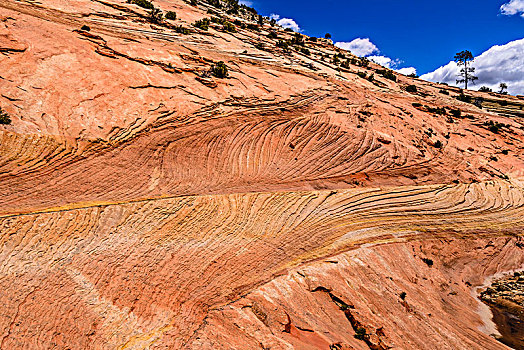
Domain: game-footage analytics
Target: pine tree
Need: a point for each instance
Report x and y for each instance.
(464, 59)
(503, 88)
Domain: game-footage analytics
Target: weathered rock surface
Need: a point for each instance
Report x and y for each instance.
(509, 288)
(148, 205)
(505, 296)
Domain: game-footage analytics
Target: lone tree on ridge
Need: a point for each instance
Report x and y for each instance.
(503, 88)
(464, 60)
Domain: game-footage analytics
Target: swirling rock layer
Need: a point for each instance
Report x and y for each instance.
(146, 205)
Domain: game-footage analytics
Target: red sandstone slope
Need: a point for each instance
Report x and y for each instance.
(146, 204)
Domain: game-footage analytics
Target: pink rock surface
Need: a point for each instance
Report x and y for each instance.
(148, 205)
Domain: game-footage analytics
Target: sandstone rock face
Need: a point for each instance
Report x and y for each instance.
(293, 205)
(320, 305)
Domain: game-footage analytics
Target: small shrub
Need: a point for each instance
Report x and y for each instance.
(360, 333)
(5, 119)
(233, 10)
(411, 88)
(494, 127)
(364, 62)
(403, 295)
(155, 16)
(493, 158)
(345, 64)
(363, 75)
(252, 26)
(389, 75)
(249, 10)
(444, 92)
(485, 89)
(438, 144)
(202, 24)
(220, 70)
(182, 30)
(427, 261)
(386, 73)
(239, 23)
(416, 105)
(260, 45)
(305, 51)
(464, 98)
(456, 113)
(505, 152)
(313, 39)
(503, 103)
(85, 28)
(436, 110)
(218, 20)
(283, 45)
(272, 35)
(142, 3)
(229, 27)
(297, 40)
(478, 102)
(171, 15)
(194, 2)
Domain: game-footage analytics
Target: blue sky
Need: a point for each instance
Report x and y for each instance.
(424, 34)
(420, 33)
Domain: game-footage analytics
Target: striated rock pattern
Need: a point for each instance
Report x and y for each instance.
(147, 204)
(323, 304)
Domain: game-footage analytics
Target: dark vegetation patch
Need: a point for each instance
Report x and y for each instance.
(411, 88)
(5, 118)
(220, 70)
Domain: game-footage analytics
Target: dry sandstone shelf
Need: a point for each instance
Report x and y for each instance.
(292, 205)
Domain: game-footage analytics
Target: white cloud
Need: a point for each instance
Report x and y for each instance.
(385, 61)
(390, 63)
(286, 22)
(363, 47)
(513, 7)
(360, 47)
(501, 63)
(407, 70)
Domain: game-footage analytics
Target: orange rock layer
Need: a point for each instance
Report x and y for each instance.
(146, 205)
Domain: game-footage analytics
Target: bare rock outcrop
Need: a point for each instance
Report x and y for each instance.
(294, 204)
